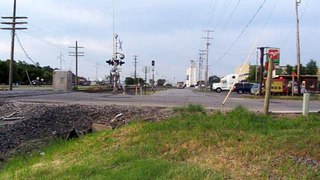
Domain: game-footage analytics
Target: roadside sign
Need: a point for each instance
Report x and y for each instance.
(274, 55)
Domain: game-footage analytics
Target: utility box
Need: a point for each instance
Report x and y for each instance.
(62, 80)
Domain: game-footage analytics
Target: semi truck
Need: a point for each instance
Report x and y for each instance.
(225, 84)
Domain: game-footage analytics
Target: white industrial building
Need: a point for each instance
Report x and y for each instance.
(192, 75)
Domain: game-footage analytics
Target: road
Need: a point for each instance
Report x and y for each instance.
(168, 98)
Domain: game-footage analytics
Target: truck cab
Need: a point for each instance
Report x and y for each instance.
(225, 84)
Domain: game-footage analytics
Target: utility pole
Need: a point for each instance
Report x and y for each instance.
(268, 87)
(135, 74)
(77, 54)
(152, 64)
(202, 53)
(192, 73)
(256, 73)
(13, 33)
(61, 59)
(145, 78)
(97, 67)
(208, 38)
(261, 68)
(298, 48)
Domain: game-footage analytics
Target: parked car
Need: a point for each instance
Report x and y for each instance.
(255, 89)
(242, 87)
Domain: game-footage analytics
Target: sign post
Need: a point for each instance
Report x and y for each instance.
(273, 59)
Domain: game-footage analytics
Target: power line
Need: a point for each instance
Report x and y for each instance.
(222, 14)
(231, 15)
(242, 32)
(61, 59)
(24, 51)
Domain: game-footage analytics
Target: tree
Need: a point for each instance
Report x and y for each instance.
(19, 72)
(129, 81)
(161, 82)
(302, 69)
(252, 73)
(289, 69)
(311, 67)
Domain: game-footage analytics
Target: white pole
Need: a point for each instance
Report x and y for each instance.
(305, 107)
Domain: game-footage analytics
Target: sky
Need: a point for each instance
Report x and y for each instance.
(169, 32)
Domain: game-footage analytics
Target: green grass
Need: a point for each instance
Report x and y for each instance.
(313, 97)
(190, 108)
(237, 145)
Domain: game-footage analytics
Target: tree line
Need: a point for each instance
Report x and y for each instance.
(132, 81)
(311, 68)
(21, 71)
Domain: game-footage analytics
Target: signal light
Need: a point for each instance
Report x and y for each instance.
(110, 62)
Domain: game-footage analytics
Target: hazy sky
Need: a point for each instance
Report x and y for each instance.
(169, 32)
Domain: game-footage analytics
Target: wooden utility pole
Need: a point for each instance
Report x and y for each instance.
(261, 68)
(76, 54)
(13, 33)
(268, 88)
(298, 49)
(135, 74)
(208, 38)
(202, 53)
(97, 67)
(256, 73)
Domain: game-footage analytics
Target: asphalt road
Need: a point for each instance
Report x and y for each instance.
(168, 98)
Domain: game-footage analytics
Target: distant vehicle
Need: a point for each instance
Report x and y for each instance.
(225, 84)
(35, 82)
(255, 89)
(277, 88)
(180, 85)
(242, 87)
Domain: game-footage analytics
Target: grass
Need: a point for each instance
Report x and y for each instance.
(237, 145)
(190, 108)
(313, 97)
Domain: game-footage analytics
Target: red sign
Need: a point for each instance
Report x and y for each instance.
(274, 55)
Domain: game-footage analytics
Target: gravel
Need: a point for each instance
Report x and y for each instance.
(38, 124)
